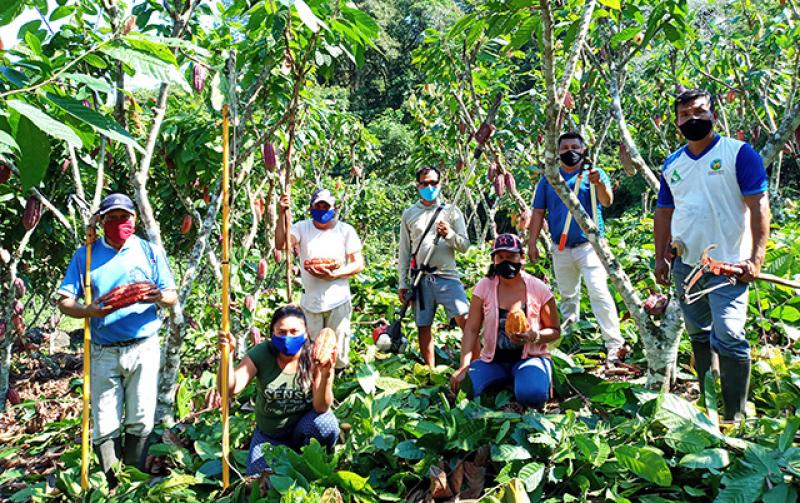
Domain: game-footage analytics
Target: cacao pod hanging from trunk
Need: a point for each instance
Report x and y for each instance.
(569, 101)
(17, 308)
(199, 73)
(250, 303)
(492, 171)
(268, 154)
(262, 268)
(186, 225)
(277, 255)
(511, 183)
(499, 186)
(32, 214)
(5, 173)
(19, 288)
(19, 324)
(484, 132)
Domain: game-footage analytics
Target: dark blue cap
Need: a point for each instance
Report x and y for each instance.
(116, 202)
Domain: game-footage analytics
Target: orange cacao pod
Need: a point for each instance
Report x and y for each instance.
(325, 347)
(186, 225)
(517, 322)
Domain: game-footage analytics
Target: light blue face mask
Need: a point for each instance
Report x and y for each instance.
(429, 193)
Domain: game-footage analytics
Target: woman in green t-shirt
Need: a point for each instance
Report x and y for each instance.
(293, 393)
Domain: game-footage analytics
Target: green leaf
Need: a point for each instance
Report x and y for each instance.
(675, 412)
(146, 64)
(787, 437)
(392, 385)
(34, 153)
(367, 377)
(788, 314)
(103, 124)
(611, 4)
(708, 459)
(781, 493)
(46, 123)
(407, 449)
(308, 17)
(351, 482)
(7, 143)
(509, 452)
(625, 35)
(92, 83)
(531, 475)
(645, 462)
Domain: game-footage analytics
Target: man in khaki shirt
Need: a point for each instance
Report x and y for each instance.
(441, 281)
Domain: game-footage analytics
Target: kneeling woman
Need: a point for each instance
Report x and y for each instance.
(519, 359)
(293, 393)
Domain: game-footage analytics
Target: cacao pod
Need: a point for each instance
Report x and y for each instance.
(64, 165)
(199, 73)
(492, 171)
(627, 162)
(126, 295)
(540, 138)
(569, 101)
(325, 347)
(268, 154)
(186, 225)
(250, 302)
(277, 255)
(255, 336)
(656, 304)
(262, 268)
(3, 328)
(731, 96)
(17, 308)
(511, 183)
(525, 219)
(258, 206)
(459, 165)
(740, 135)
(129, 23)
(19, 324)
(19, 288)
(657, 121)
(206, 195)
(499, 186)
(517, 322)
(32, 214)
(484, 132)
(13, 396)
(5, 173)
(756, 132)
(321, 263)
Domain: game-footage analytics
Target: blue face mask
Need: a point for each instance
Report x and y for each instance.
(289, 345)
(322, 216)
(429, 193)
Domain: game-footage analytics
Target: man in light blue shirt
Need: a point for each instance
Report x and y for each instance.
(125, 352)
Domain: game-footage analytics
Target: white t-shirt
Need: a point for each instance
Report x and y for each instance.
(338, 242)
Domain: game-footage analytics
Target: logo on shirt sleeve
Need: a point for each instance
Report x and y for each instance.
(716, 167)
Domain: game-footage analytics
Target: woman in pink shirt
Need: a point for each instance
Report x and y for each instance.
(519, 359)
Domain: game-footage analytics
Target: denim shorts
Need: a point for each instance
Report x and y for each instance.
(718, 317)
(435, 290)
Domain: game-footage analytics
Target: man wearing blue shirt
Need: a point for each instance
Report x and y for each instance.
(713, 191)
(578, 257)
(125, 352)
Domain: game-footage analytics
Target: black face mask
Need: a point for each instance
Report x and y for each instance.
(508, 269)
(571, 157)
(696, 129)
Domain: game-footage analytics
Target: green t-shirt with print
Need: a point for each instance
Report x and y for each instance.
(280, 400)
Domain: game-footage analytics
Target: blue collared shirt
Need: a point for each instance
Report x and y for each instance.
(137, 260)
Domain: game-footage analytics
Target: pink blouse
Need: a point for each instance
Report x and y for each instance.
(538, 294)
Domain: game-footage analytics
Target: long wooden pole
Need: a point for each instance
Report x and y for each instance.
(87, 340)
(226, 279)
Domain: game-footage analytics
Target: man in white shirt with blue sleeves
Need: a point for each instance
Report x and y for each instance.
(125, 350)
(713, 191)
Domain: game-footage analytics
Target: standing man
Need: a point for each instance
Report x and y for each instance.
(441, 281)
(713, 191)
(578, 257)
(336, 249)
(125, 351)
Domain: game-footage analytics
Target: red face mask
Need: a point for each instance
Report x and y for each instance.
(118, 231)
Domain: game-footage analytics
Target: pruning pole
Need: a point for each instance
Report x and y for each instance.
(562, 243)
(226, 303)
(87, 340)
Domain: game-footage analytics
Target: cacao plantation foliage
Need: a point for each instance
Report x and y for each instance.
(100, 96)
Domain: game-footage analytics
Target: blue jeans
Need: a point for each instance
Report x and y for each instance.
(434, 290)
(719, 316)
(324, 427)
(531, 378)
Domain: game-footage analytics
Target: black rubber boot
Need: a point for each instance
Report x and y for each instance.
(735, 377)
(704, 359)
(109, 452)
(135, 450)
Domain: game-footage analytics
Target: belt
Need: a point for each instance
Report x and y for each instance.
(125, 343)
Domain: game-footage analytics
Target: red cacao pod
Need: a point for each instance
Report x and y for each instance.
(13, 396)
(277, 255)
(199, 73)
(499, 186)
(19, 324)
(17, 308)
(492, 171)
(262, 268)
(32, 214)
(186, 225)
(657, 121)
(206, 195)
(5, 173)
(511, 183)
(19, 288)
(255, 336)
(569, 101)
(656, 304)
(250, 302)
(484, 132)
(268, 154)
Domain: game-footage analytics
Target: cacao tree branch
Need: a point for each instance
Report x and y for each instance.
(789, 124)
(572, 60)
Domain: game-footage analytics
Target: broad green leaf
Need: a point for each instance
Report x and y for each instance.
(46, 123)
(646, 463)
(708, 458)
(789, 314)
(146, 64)
(788, 435)
(392, 385)
(509, 452)
(407, 449)
(7, 143)
(740, 486)
(93, 83)
(611, 4)
(781, 493)
(9, 10)
(367, 377)
(34, 155)
(675, 412)
(101, 123)
(531, 475)
(625, 35)
(351, 482)
(308, 17)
